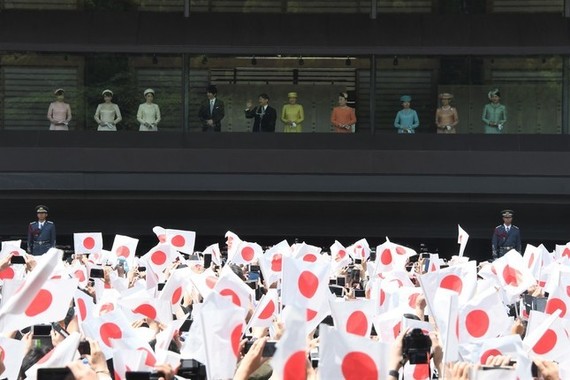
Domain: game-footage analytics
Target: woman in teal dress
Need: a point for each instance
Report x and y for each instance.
(494, 113)
(406, 119)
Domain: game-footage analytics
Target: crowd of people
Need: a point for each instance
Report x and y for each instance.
(280, 312)
(343, 117)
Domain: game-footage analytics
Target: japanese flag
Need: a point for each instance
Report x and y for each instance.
(407, 298)
(339, 255)
(231, 286)
(359, 250)
(462, 238)
(152, 308)
(181, 240)
(124, 246)
(11, 249)
(159, 257)
(12, 353)
(246, 253)
(509, 345)
(84, 306)
(222, 326)
(160, 233)
(136, 343)
(60, 356)
(80, 273)
(353, 317)
(388, 258)
(547, 336)
(175, 286)
(346, 356)
(559, 297)
(461, 279)
(483, 317)
(266, 310)
(108, 327)
(562, 253)
(307, 253)
(271, 263)
(304, 283)
(290, 358)
(232, 241)
(214, 250)
(87, 242)
(204, 282)
(513, 275)
(127, 360)
(388, 325)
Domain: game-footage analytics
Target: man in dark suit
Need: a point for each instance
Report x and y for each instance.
(506, 236)
(265, 115)
(41, 234)
(211, 111)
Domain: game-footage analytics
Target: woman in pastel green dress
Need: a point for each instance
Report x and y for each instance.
(292, 114)
(494, 113)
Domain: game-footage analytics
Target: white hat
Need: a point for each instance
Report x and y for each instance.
(107, 91)
(148, 91)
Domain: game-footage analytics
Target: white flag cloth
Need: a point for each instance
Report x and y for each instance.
(290, 358)
(339, 257)
(181, 240)
(305, 284)
(359, 250)
(87, 242)
(60, 356)
(559, 297)
(174, 288)
(159, 257)
(13, 352)
(222, 326)
(462, 238)
(84, 306)
(232, 241)
(461, 279)
(353, 317)
(547, 336)
(204, 282)
(346, 356)
(214, 250)
(160, 233)
(483, 317)
(266, 310)
(306, 252)
(231, 286)
(513, 275)
(106, 328)
(136, 343)
(126, 247)
(389, 259)
(127, 360)
(246, 253)
(271, 263)
(149, 307)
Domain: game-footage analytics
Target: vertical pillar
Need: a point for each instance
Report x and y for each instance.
(565, 93)
(372, 93)
(185, 91)
(374, 9)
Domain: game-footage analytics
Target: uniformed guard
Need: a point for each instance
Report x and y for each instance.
(41, 234)
(506, 236)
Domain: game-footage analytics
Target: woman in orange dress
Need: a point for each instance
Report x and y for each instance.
(343, 117)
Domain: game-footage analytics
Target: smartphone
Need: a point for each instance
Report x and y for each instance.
(143, 375)
(41, 331)
(84, 348)
(253, 276)
(60, 330)
(142, 269)
(268, 349)
(337, 290)
(341, 281)
(186, 325)
(332, 281)
(207, 260)
(17, 260)
(359, 293)
(426, 265)
(97, 273)
(62, 373)
(161, 285)
(254, 268)
(357, 261)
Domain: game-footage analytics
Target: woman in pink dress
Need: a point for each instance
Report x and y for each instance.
(59, 112)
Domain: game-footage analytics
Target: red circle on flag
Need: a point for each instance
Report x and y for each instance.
(211, 281)
(235, 339)
(162, 238)
(310, 258)
(412, 299)
(7, 274)
(40, 303)
(357, 323)
(80, 275)
(268, 310)
(247, 253)
(421, 372)
(123, 250)
(106, 308)
(511, 275)
(311, 314)
(230, 293)
(491, 352)
(176, 296)
(46, 357)
(276, 262)
(386, 257)
(150, 359)
(158, 257)
(382, 297)
(452, 282)
(178, 241)
(89, 242)
(477, 323)
(400, 250)
(531, 260)
(82, 308)
(308, 284)
(358, 366)
(566, 252)
(295, 366)
(109, 330)
(546, 343)
(554, 304)
(341, 253)
(146, 310)
(396, 329)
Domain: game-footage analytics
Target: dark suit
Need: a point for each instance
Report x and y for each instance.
(41, 239)
(216, 115)
(264, 120)
(504, 241)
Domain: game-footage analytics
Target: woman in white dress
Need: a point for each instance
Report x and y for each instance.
(148, 114)
(108, 114)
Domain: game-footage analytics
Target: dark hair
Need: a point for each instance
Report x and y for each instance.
(343, 95)
(264, 96)
(212, 89)
(238, 271)
(32, 357)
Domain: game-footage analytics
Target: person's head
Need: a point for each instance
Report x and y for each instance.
(211, 92)
(59, 94)
(263, 99)
(107, 95)
(507, 216)
(292, 97)
(149, 95)
(342, 98)
(494, 96)
(42, 212)
(406, 100)
(445, 98)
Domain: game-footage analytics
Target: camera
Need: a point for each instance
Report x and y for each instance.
(416, 347)
(192, 369)
(143, 375)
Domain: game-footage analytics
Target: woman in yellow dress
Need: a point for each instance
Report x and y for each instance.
(292, 114)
